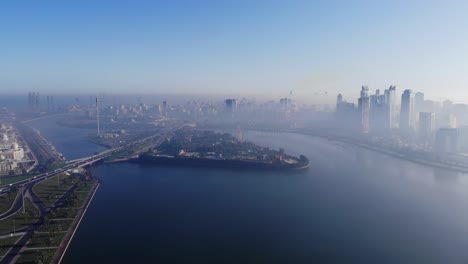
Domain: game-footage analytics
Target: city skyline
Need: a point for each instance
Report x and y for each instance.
(264, 131)
(316, 49)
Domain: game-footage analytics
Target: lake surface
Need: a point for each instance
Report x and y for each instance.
(352, 206)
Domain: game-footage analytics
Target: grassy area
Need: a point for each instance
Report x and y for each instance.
(6, 200)
(14, 179)
(20, 219)
(56, 223)
(7, 243)
(50, 190)
(51, 233)
(55, 226)
(36, 256)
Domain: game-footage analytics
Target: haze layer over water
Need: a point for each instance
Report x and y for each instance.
(351, 206)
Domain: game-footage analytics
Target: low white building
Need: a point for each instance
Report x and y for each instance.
(10, 149)
(13, 154)
(7, 165)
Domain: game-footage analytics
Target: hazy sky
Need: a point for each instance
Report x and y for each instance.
(235, 47)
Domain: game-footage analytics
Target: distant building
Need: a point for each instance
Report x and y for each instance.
(285, 102)
(418, 102)
(407, 113)
(379, 108)
(364, 109)
(339, 100)
(463, 139)
(33, 100)
(50, 103)
(391, 113)
(447, 120)
(461, 113)
(446, 140)
(426, 126)
(346, 113)
(447, 105)
(231, 105)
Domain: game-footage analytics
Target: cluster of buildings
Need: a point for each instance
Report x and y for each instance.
(33, 100)
(431, 124)
(229, 111)
(11, 153)
(35, 103)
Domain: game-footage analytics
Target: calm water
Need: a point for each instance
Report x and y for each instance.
(71, 142)
(351, 206)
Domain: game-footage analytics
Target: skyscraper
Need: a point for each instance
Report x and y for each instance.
(33, 100)
(339, 100)
(391, 111)
(346, 113)
(231, 105)
(364, 109)
(426, 126)
(36, 100)
(378, 105)
(407, 113)
(418, 102)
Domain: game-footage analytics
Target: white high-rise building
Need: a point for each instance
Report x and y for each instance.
(364, 109)
(378, 104)
(392, 107)
(407, 113)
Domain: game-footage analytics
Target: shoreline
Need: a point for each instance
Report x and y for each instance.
(407, 158)
(302, 163)
(379, 150)
(64, 245)
(351, 143)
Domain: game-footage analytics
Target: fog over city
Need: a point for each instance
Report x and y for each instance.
(234, 132)
(248, 48)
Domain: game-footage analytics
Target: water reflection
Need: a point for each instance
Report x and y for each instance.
(446, 176)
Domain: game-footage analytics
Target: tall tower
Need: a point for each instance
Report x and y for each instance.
(36, 101)
(231, 105)
(339, 100)
(407, 113)
(364, 109)
(391, 107)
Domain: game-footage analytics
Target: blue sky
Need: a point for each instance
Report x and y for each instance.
(314, 48)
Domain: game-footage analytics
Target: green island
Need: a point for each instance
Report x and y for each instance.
(198, 148)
